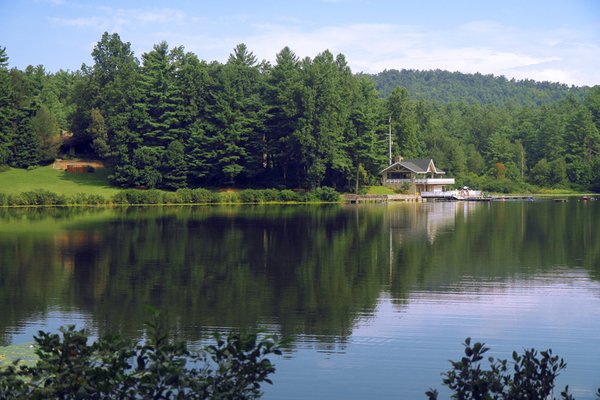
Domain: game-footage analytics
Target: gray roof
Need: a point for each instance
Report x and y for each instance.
(418, 165)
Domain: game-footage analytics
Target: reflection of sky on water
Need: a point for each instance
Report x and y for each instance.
(400, 352)
(49, 322)
(395, 288)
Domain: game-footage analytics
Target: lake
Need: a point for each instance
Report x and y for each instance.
(374, 298)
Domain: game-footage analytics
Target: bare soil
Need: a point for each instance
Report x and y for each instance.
(62, 164)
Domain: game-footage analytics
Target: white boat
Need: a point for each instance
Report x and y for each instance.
(465, 194)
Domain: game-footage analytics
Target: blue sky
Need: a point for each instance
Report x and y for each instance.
(549, 40)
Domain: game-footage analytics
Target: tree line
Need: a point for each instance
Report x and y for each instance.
(171, 120)
(447, 87)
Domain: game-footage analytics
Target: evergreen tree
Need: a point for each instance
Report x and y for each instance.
(111, 85)
(173, 166)
(160, 104)
(365, 138)
(47, 133)
(6, 109)
(98, 132)
(25, 150)
(236, 119)
(583, 145)
(284, 88)
(404, 124)
(325, 110)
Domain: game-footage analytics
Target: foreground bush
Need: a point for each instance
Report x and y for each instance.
(116, 368)
(530, 376)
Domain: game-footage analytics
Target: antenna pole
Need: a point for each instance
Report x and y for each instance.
(390, 139)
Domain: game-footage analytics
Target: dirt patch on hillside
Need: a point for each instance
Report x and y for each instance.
(64, 164)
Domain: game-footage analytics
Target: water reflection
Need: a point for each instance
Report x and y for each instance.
(306, 271)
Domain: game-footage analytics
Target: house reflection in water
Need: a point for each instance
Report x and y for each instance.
(428, 219)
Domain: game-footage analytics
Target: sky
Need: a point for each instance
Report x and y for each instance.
(543, 40)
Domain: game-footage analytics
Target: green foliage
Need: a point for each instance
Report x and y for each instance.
(200, 196)
(176, 121)
(98, 133)
(42, 197)
(448, 87)
(530, 375)
(38, 197)
(136, 197)
(327, 194)
(289, 195)
(86, 199)
(46, 130)
(161, 367)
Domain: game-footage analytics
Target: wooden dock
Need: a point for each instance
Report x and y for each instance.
(512, 197)
(378, 198)
(384, 198)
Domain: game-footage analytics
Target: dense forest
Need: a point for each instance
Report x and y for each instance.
(171, 120)
(450, 87)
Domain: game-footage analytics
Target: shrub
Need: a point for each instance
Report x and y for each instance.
(532, 377)
(185, 195)
(271, 195)
(327, 194)
(160, 368)
(87, 199)
(229, 197)
(200, 195)
(137, 196)
(171, 198)
(3, 199)
(120, 198)
(14, 200)
(152, 196)
(127, 196)
(250, 196)
(40, 197)
(289, 195)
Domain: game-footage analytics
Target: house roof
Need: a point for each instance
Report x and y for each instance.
(418, 166)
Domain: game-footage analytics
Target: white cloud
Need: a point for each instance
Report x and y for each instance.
(486, 46)
(80, 22)
(481, 46)
(162, 16)
(119, 18)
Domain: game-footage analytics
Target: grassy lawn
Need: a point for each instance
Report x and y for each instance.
(379, 190)
(16, 181)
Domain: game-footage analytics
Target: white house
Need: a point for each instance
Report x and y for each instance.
(418, 175)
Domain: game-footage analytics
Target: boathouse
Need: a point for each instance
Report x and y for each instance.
(416, 176)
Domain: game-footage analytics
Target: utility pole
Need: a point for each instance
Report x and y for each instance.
(390, 139)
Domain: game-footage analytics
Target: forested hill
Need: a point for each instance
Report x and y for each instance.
(170, 120)
(448, 87)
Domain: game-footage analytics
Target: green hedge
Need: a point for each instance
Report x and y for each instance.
(181, 196)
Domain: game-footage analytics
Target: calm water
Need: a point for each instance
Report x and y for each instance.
(376, 299)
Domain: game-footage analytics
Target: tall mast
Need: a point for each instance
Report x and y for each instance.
(390, 139)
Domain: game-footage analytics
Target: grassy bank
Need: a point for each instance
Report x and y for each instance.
(15, 181)
(45, 186)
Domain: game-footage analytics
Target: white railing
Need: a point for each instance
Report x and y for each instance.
(424, 181)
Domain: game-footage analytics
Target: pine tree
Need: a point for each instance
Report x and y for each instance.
(282, 99)
(404, 124)
(25, 150)
(47, 133)
(6, 109)
(173, 166)
(236, 119)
